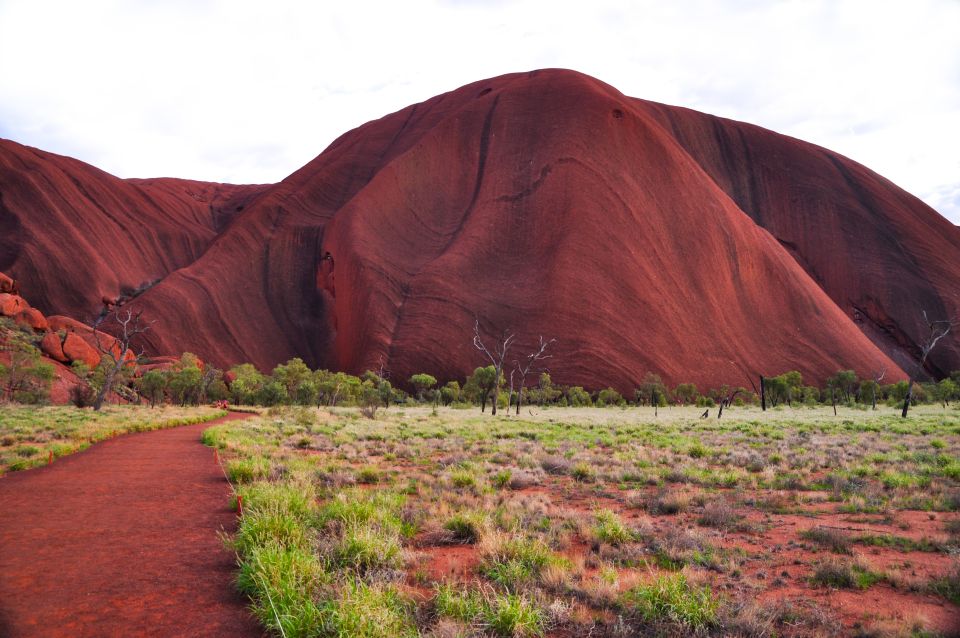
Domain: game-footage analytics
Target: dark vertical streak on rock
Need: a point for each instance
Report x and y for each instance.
(478, 184)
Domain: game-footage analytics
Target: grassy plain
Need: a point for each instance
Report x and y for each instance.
(29, 434)
(600, 522)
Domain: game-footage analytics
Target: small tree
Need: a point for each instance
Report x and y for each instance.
(153, 385)
(946, 391)
(496, 353)
(272, 393)
(651, 391)
(450, 392)
(685, 393)
(422, 382)
(577, 397)
(369, 399)
(609, 396)
(185, 382)
(291, 375)
(246, 384)
(939, 328)
(480, 384)
(548, 393)
(126, 326)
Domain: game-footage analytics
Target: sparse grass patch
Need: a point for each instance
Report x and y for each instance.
(844, 575)
(835, 540)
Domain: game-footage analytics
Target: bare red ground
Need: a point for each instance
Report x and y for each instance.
(121, 540)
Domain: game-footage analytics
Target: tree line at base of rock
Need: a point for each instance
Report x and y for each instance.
(26, 378)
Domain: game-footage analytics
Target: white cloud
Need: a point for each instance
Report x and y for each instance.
(236, 91)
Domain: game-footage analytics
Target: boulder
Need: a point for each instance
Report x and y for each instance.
(68, 324)
(51, 346)
(11, 305)
(76, 349)
(8, 285)
(32, 318)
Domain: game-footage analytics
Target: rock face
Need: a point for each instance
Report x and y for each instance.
(72, 234)
(642, 237)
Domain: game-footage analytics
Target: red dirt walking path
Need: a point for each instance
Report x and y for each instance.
(121, 540)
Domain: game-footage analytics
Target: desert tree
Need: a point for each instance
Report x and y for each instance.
(496, 352)
(479, 385)
(450, 392)
(939, 328)
(685, 393)
(116, 350)
(530, 365)
(422, 382)
(546, 391)
(153, 386)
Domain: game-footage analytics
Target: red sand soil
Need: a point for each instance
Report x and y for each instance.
(121, 540)
(643, 237)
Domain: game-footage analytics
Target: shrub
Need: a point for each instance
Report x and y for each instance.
(515, 616)
(718, 513)
(285, 584)
(368, 611)
(608, 528)
(247, 470)
(948, 586)
(502, 479)
(508, 615)
(463, 479)
(82, 394)
(609, 396)
(466, 528)
(843, 575)
(364, 548)
(582, 472)
(835, 539)
(368, 476)
(667, 502)
(512, 560)
(577, 397)
(671, 599)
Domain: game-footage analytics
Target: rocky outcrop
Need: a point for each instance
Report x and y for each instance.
(643, 237)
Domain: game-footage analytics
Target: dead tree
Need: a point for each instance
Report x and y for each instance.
(127, 324)
(496, 354)
(939, 328)
(527, 367)
(877, 378)
(727, 400)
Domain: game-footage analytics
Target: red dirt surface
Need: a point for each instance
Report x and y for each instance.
(121, 540)
(643, 237)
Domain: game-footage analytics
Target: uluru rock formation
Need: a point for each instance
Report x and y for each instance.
(642, 237)
(75, 234)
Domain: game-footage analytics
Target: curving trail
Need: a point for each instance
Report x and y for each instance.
(121, 540)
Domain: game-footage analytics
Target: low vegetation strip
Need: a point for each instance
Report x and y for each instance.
(31, 436)
(443, 522)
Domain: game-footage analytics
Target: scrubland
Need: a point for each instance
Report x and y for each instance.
(600, 522)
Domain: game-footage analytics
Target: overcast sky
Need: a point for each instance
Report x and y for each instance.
(239, 91)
